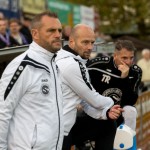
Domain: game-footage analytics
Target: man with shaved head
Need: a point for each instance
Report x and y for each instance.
(77, 89)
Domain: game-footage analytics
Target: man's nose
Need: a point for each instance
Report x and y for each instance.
(58, 34)
(90, 46)
(128, 62)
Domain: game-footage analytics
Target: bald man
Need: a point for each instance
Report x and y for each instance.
(144, 63)
(77, 89)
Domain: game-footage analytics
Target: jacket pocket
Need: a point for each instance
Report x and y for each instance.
(34, 137)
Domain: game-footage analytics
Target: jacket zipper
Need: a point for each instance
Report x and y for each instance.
(56, 101)
(34, 139)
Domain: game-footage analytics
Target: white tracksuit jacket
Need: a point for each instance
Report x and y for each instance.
(76, 88)
(31, 103)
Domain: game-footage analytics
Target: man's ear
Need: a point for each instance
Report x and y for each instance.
(115, 55)
(71, 42)
(35, 34)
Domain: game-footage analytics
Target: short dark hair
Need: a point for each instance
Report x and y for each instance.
(127, 44)
(12, 20)
(36, 21)
(2, 19)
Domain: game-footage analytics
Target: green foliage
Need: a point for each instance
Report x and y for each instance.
(124, 16)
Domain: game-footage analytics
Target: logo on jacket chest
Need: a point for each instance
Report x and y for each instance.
(45, 89)
(106, 78)
(114, 93)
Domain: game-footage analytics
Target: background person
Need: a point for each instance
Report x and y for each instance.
(30, 92)
(25, 28)
(5, 39)
(15, 33)
(65, 34)
(144, 63)
(1, 15)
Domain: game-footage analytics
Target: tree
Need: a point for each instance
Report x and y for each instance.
(122, 16)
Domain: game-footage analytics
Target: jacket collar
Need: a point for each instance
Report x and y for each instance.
(74, 54)
(67, 48)
(43, 52)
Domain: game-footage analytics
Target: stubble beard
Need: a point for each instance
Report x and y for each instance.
(51, 48)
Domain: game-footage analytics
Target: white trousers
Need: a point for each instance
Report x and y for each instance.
(129, 115)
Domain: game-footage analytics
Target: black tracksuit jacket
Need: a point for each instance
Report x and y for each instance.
(106, 79)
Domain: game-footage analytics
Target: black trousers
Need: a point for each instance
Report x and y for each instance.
(67, 142)
(101, 131)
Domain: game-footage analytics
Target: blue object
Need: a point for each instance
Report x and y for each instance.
(132, 148)
(121, 145)
(134, 144)
(121, 127)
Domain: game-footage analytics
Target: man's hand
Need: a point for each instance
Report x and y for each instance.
(115, 112)
(124, 68)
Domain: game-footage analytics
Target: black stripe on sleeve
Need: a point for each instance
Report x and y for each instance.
(26, 61)
(34, 62)
(83, 72)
